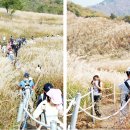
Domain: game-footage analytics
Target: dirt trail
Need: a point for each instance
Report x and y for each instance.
(113, 123)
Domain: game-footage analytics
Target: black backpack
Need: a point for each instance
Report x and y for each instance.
(128, 86)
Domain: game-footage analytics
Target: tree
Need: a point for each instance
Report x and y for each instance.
(12, 5)
(127, 19)
(112, 16)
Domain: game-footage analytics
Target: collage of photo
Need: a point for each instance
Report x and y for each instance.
(64, 64)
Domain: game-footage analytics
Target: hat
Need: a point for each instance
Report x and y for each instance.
(26, 75)
(47, 87)
(55, 95)
(128, 69)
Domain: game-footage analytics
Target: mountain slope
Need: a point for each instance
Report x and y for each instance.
(117, 7)
(43, 6)
(81, 11)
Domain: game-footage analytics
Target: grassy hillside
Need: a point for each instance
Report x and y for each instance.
(43, 6)
(30, 24)
(81, 11)
(98, 46)
(46, 51)
(92, 37)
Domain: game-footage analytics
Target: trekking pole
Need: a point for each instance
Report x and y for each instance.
(53, 125)
(75, 112)
(37, 81)
(92, 99)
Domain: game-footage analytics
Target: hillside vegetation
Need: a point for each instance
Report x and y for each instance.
(45, 50)
(42, 6)
(81, 11)
(98, 46)
(90, 37)
(30, 24)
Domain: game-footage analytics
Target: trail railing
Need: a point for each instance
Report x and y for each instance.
(75, 102)
(24, 114)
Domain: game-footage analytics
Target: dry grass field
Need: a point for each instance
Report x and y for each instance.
(45, 50)
(30, 24)
(100, 46)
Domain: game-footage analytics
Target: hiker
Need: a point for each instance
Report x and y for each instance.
(97, 88)
(24, 41)
(4, 49)
(11, 41)
(32, 37)
(16, 47)
(43, 96)
(25, 83)
(38, 69)
(4, 39)
(11, 56)
(125, 93)
(50, 108)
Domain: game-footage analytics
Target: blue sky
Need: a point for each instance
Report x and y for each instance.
(86, 2)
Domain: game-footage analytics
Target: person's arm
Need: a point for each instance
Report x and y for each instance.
(99, 87)
(38, 111)
(19, 86)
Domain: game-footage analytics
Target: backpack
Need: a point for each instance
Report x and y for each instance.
(128, 86)
(27, 84)
(99, 84)
(41, 98)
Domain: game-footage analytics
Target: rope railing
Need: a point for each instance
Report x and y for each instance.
(105, 118)
(84, 110)
(41, 123)
(81, 110)
(70, 105)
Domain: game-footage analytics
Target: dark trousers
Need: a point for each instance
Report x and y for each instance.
(97, 104)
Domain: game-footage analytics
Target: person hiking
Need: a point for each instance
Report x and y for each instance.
(97, 88)
(4, 49)
(50, 108)
(11, 56)
(26, 83)
(43, 96)
(16, 47)
(24, 41)
(38, 69)
(125, 93)
(11, 41)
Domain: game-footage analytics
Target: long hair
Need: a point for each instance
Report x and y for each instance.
(94, 78)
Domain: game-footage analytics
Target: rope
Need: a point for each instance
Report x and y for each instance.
(41, 123)
(81, 110)
(107, 88)
(108, 95)
(86, 95)
(105, 118)
(70, 105)
(69, 100)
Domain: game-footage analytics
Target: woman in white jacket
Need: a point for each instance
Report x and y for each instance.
(50, 108)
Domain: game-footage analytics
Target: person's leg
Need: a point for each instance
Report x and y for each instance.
(96, 106)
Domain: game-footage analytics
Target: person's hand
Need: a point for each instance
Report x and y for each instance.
(43, 107)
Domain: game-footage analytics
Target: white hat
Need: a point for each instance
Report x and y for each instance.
(128, 69)
(55, 95)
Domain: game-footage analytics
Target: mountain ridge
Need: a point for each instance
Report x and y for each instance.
(117, 7)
